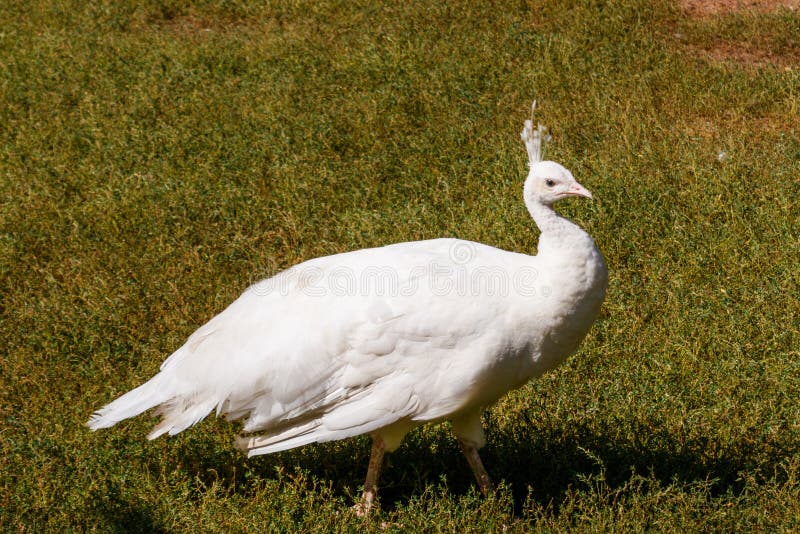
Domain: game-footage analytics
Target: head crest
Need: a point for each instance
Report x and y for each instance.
(535, 140)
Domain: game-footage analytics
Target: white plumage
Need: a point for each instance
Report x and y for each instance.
(382, 340)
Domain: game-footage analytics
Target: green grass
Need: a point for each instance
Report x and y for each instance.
(158, 157)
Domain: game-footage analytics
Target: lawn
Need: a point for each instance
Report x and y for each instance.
(158, 157)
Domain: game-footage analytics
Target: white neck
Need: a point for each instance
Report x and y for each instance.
(548, 220)
(559, 235)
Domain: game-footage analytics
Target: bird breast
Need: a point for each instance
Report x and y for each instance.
(576, 282)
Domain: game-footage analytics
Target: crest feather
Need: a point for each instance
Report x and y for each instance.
(534, 140)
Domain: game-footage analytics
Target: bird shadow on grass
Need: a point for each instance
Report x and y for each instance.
(115, 512)
(541, 466)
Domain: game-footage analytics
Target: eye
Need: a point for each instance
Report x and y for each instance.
(549, 182)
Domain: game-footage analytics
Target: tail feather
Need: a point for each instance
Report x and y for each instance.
(287, 439)
(178, 420)
(148, 395)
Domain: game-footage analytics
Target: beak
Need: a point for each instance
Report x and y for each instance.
(579, 191)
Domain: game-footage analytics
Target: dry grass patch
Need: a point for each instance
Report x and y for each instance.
(747, 54)
(752, 34)
(702, 8)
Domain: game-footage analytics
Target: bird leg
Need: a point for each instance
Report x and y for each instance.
(370, 484)
(481, 476)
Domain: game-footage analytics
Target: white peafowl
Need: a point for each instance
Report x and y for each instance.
(379, 341)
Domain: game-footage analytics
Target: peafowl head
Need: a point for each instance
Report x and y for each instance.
(548, 181)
